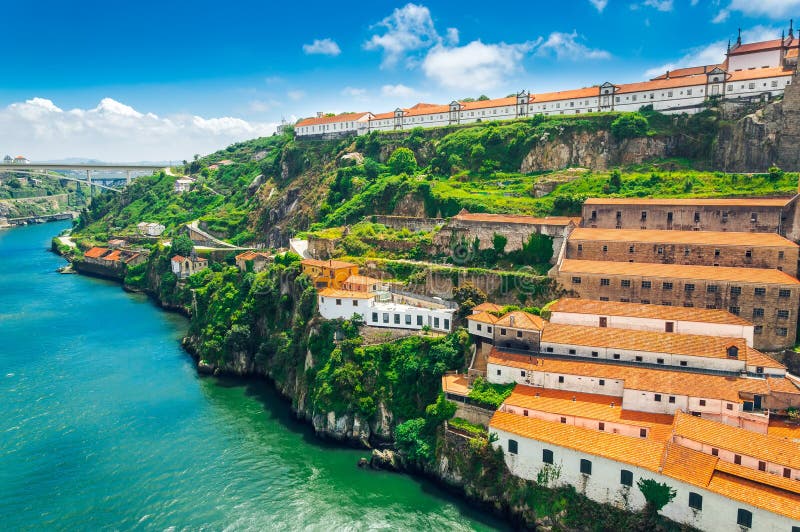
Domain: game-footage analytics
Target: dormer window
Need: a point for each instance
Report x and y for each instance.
(733, 352)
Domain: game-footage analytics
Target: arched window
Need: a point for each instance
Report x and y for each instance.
(733, 352)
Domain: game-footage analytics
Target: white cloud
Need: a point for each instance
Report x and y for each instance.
(113, 131)
(566, 46)
(452, 36)
(475, 66)
(296, 95)
(354, 92)
(398, 91)
(660, 5)
(408, 29)
(774, 9)
(599, 5)
(713, 53)
(721, 17)
(322, 47)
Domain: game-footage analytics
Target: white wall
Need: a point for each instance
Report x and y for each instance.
(603, 485)
(479, 328)
(375, 313)
(728, 456)
(769, 58)
(332, 308)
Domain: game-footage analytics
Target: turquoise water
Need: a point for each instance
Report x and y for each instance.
(105, 425)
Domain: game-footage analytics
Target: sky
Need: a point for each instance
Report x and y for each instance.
(167, 79)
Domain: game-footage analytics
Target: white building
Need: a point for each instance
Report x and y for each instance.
(335, 304)
(19, 159)
(150, 229)
(183, 267)
(183, 184)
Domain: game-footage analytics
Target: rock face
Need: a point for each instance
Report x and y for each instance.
(596, 150)
(769, 136)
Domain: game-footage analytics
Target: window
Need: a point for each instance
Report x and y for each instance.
(571, 351)
(702, 402)
(519, 334)
(783, 314)
(499, 372)
(736, 290)
(408, 320)
(760, 291)
(762, 466)
(657, 397)
(563, 420)
(385, 317)
(697, 217)
(580, 248)
(784, 292)
(374, 316)
(355, 302)
(631, 249)
(748, 254)
(586, 466)
(616, 356)
(595, 354)
(780, 255)
(626, 477)
(660, 251)
(419, 322)
(688, 287)
(758, 312)
(549, 349)
(644, 215)
(712, 289)
(729, 406)
(601, 426)
(626, 283)
(642, 433)
(787, 473)
(447, 324)
(479, 327)
(547, 456)
(576, 280)
(513, 446)
(666, 286)
(734, 310)
(695, 500)
(744, 517)
(714, 451)
(659, 361)
(561, 379)
(397, 319)
(601, 382)
(647, 284)
(605, 282)
(502, 332)
(782, 331)
(338, 301)
(737, 459)
(672, 399)
(684, 363)
(436, 322)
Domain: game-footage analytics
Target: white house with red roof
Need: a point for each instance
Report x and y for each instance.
(183, 267)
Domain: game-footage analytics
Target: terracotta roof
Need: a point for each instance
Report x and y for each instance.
(644, 341)
(362, 279)
(513, 219)
(640, 452)
(639, 310)
(247, 255)
(426, 109)
(487, 307)
(345, 294)
(382, 116)
(781, 429)
(756, 47)
(485, 104)
(716, 238)
(693, 202)
(736, 440)
(689, 465)
(178, 258)
(782, 385)
(660, 84)
(345, 117)
(759, 73)
(95, 252)
(775, 500)
(689, 71)
(762, 477)
(792, 53)
(589, 406)
(457, 384)
(483, 317)
(131, 257)
(757, 358)
(334, 264)
(586, 92)
(199, 259)
(663, 381)
(678, 271)
(521, 320)
(113, 256)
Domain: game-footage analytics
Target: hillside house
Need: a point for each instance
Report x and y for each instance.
(183, 267)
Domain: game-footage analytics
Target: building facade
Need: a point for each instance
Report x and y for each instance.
(328, 273)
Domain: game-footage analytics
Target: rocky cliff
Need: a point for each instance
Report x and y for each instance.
(769, 136)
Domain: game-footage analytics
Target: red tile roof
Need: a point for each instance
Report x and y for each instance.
(694, 202)
(586, 92)
(486, 104)
(639, 310)
(689, 71)
(516, 219)
(95, 252)
(759, 73)
(333, 264)
(719, 238)
(760, 46)
(344, 117)
(178, 258)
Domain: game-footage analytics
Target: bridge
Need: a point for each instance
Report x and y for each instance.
(51, 170)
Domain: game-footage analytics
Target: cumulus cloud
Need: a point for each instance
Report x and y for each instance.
(599, 5)
(114, 131)
(713, 53)
(774, 9)
(660, 5)
(322, 47)
(568, 46)
(721, 17)
(398, 91)
(476, 66)
(408, 29)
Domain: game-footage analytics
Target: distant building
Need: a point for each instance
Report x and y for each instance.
(183, 184)
(328, 273)
(19, 159)
(252, 261)
(183, 267)
(8, 160)
(150, 229)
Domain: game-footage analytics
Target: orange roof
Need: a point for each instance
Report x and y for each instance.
(483, 317)
(736, 440)
(95, 252)
(693, 202)
(659, 84)
(346, 294)
(426, 109)
(757, 358)
(643, 341)
(513, 219)
(689, 465)
(664, 381)
(333, 264)
(344, 117)
(762, 477)
(639, 310)
(781, 429)
(772, 499)
(716, 238)
(382, 116)
(487, 307)
(247, 255)
(521, 320)
(782, 385)
(589, 406)
(178, 258)
(756, 47)
(485, 104)
(586, 92)
(678, 271)
(759, 73)
(113, 256)
(361, 279)
(640, 452)
(457, 384)
(792, 53)
(688, 71)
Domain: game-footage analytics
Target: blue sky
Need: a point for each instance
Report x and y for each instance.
(121, 80)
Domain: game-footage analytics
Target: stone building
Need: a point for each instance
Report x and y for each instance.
(742, 215)
(768, 298)
(702, 248)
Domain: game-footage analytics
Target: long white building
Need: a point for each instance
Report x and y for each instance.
(759, 70)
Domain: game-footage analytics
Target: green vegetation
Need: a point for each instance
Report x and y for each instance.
(488, 394)
(629, 126)
(656, 494)
(477, 431)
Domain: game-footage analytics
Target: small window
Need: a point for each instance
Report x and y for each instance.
(642, 433)
(572, 351)
(784, 292)
(561, 379)
(783, 314)
(744, 518)
(408, 320)
(762, 466)
(338, 301)
(586, 466)
(502, 332)
(436, 322)
(605, 282)
(563, 420)
(695, 500)
(782, 331)
(659, 361)
(513, 446)
(639, 358)
(737, 459)
(626, 477)
(375, 316)
(385, 317)
(714, 452)
(734, 310)
(657, 397)
(605, 249)
(736, 290)
(760, 291)
(748, 254)
(660, 251)
(697, 217)
(758, 312)
(672, 399)
(787, 473)
(689, 287)
(615, 356)
(647, 284)
(702, 402)
(625, 283)
(355, 302)
(547, 456)
(602, 382)
(595, 354)
(499, 372)
(576, 280)
(666, 286)
(712, 289)
(397, 319)
(419, 322)
(601, 426)
(631, 249)
(729, 406)
(519, 334)
(684, 363)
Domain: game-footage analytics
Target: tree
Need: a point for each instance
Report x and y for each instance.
(615, 181)
(499, 243)
(468, 296)
(402, 161)
(656, 494)
(629, 126)
(537, 250)
(775, 173)
(182, 245)
(482, 98)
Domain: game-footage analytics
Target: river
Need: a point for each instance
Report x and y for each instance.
(106, 425)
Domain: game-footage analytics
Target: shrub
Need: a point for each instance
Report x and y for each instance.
(402, 161)
(629, 126)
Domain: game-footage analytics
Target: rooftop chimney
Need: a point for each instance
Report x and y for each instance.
(791, 29)
(319, 114)
(739, 38)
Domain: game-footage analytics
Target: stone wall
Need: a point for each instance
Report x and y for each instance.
(412, 223)
(320, 248)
